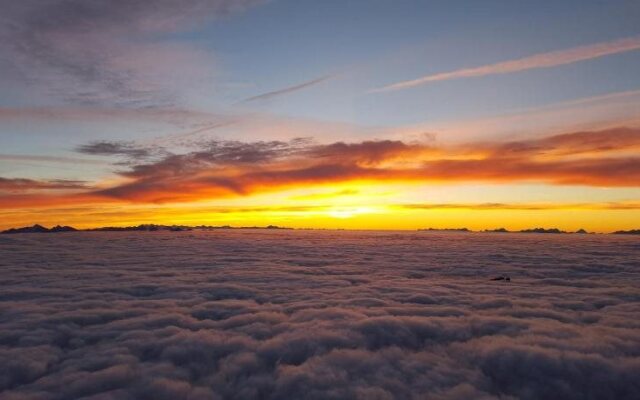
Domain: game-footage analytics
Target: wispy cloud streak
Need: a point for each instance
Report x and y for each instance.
(541, 60)
(20, 185)
(287, 90)
(48, 159)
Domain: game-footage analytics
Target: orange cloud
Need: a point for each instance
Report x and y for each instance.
(575, 143)
(228, 169)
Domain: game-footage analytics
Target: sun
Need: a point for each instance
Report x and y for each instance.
(348, 212)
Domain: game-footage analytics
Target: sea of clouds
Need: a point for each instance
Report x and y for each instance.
(269, 314)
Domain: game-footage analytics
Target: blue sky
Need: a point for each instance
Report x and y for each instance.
(368, 44)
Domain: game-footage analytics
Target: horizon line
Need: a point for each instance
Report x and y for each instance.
(116, 228)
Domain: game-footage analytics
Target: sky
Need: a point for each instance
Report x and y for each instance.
(335, 114)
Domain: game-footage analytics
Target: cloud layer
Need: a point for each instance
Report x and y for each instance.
(280, 315)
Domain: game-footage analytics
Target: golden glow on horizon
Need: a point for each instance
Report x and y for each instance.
(364, 185)
(351, 206)
(378, 218)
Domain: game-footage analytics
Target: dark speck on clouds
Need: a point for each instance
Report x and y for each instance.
(318, 315)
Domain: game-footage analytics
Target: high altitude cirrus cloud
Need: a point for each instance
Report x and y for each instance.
(287, 90)
(108, 51)
(542, 60)
(216, 169)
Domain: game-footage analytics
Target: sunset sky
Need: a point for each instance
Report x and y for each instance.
(321, 114)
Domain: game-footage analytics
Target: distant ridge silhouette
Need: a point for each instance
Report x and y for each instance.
(498, 230)
(40, 229)
(629, 232)
(445, 230)
(142, 227)
(37, 228)
(504, 230)
(542, 230)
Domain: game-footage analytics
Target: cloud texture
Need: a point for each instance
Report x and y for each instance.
(108, 51)
(318, 315)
